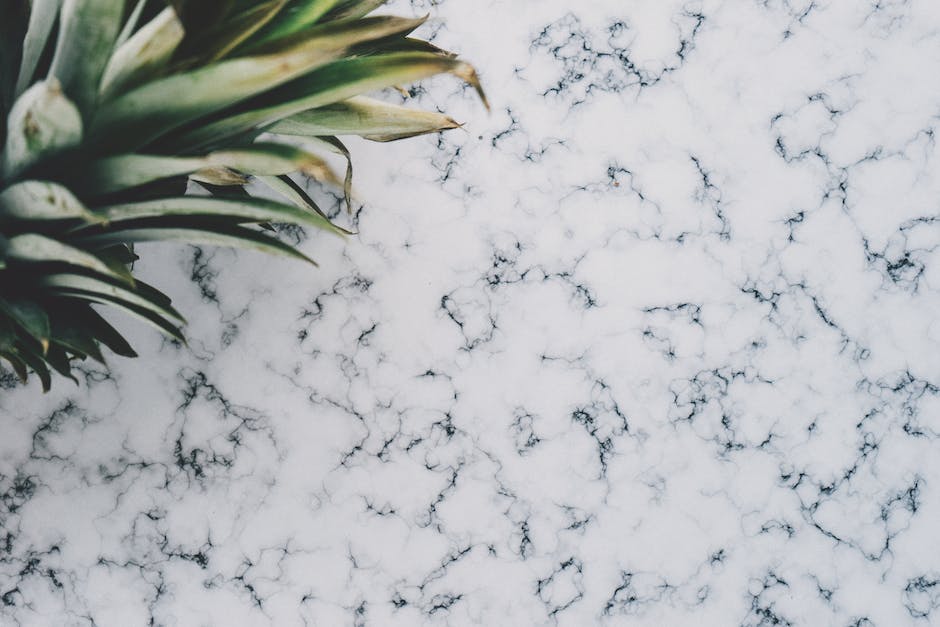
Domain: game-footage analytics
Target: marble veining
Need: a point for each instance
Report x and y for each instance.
(657, 342)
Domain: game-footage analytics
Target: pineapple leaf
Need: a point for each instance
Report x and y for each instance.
(335, 146)
(290, 190)
(42, 17)
(70, 334)
(149, 111)
(410, 44)
(219, 176)
(37, 363)
(366, 117)
(87, 32)
(19, 367)
(60, 362)
(353, 9)
(145, 314)
(7, 334)
(42, 123)
(99, 328)
(34, 248)
(154, 213)
(267, 158)
(111, 108)
(221, 40)
(112, 174)
(143, 55)
(30, 316)
(194, 231)
(337, 81)
(69, 283)
(298, 15)
(39, 201)
(131, 24)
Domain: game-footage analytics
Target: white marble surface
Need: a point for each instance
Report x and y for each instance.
(656, 343)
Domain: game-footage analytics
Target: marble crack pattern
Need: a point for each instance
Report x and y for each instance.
(657, 342)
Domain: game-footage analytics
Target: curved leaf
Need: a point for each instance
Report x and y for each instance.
(366, 117)
(162, 211)
(41, 200)
(211, 233)
(353, 9)
(217, 42)
(112, 174)
(35, 248)
(7, 334)
(143, 313)
(298, 15)
(143, 55)
(151, 110)
(19, 367)
(99, 328)
(337, 81)
(290, 190)
(67, 283)
(69, 334)
(38, 365)
(30, 317)
(60, 362)
(42, 123)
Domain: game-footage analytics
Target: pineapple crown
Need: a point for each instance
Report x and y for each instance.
(113, 107)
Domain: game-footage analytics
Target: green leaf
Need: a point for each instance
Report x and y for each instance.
(219, 177)
(113, 174)
(39, 248)
(335, 146)
(41, 200)
(269, 158)
(42, 17)
(87, 32)
(59, 360)
(42, 123)
(38, 365)
(68, 333)
(153, 294)
(19, 367)
(163, 210)
(142, 56)
(142, 313)
(30, 317)
(70, 284)
(208, 232)
(130, 25)
(151, 110)
(7, 334)
(290, 190)
(366, 117)
(100, 329)
(354, 9)
(337, 81)
(298, 15)
(411, 44)
(118, 254)
(217, 42)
